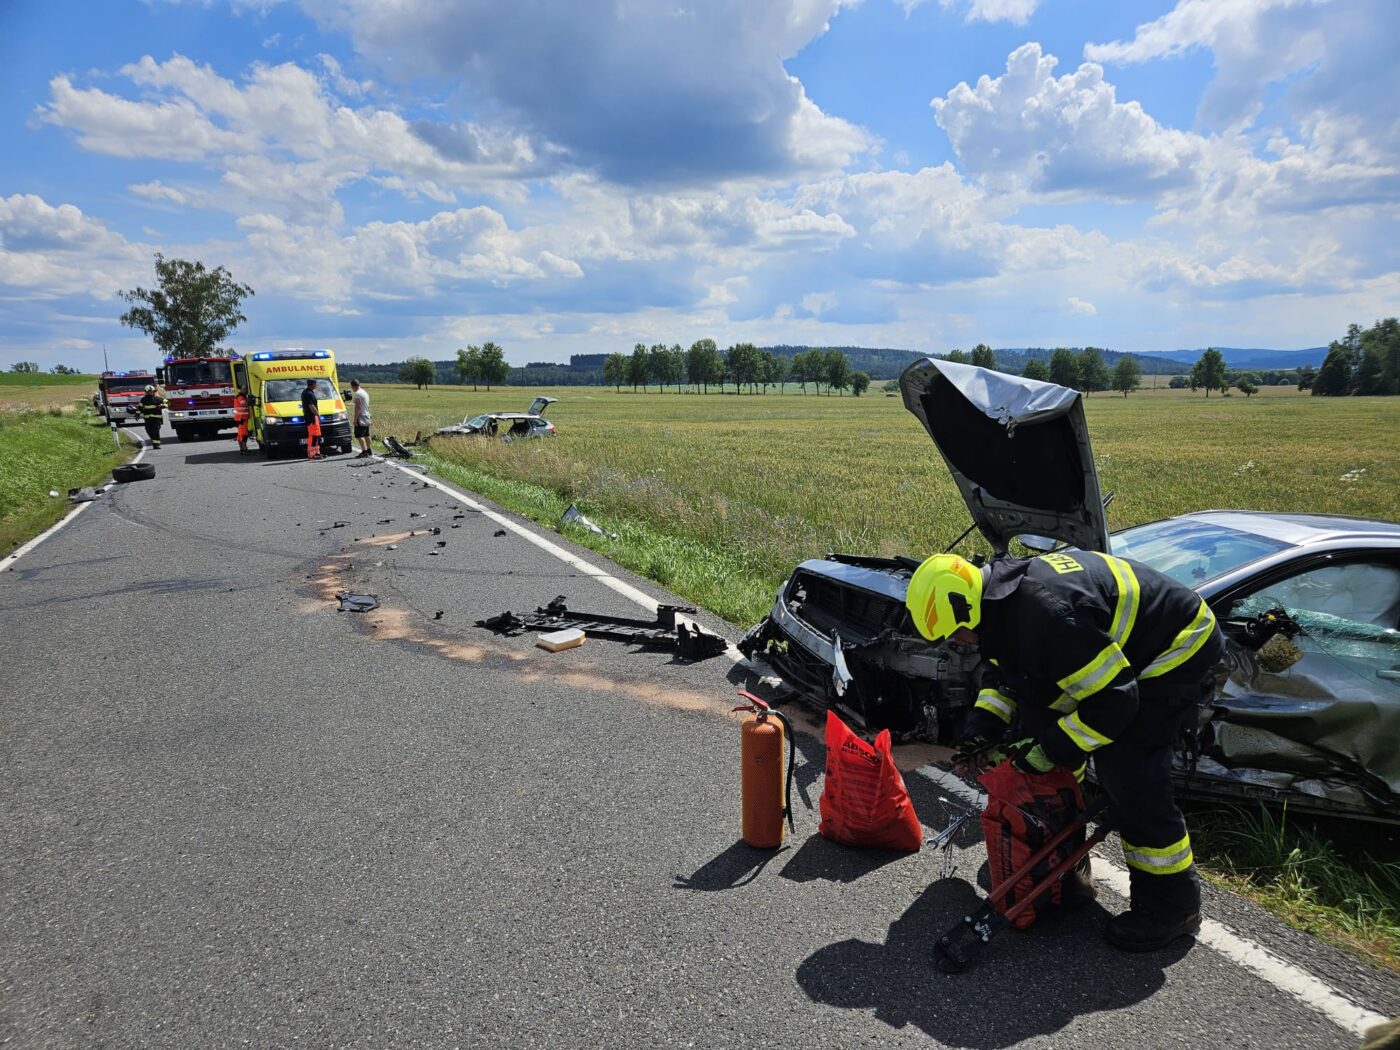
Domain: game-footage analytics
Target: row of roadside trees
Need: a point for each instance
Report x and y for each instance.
(1085, 371)
(743, 365)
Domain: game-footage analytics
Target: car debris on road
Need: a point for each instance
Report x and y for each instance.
(668, 631)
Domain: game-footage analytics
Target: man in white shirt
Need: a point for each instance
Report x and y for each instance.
(360, 417)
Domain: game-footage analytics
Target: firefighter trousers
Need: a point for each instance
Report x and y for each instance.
(1135, 772)
(153, 430)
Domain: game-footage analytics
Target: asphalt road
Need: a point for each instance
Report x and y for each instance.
(231, 814)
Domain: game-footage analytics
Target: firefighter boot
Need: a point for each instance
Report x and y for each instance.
(1148, 929)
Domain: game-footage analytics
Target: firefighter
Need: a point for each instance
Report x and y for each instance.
(1089, 656)
(241, 413)
(311, 411)
(152, 406)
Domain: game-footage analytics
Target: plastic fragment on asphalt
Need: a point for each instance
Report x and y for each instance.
(83, 495)
(437, 615)
(357, 602)
(498, 532)
(558, 641)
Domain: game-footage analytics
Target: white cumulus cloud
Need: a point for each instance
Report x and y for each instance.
(1030, 130)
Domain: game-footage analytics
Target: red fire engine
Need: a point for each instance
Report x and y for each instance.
(199, 395)
(118, 392)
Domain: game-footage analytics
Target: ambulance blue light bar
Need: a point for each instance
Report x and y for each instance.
(289, 355)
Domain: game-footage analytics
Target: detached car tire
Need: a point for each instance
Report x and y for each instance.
(133, 472)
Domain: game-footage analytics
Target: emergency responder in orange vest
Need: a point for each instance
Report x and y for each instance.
(311, 412)
(152, 406)
(241, 412)
(1089, 656)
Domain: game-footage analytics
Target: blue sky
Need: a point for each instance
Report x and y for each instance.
(407, 178)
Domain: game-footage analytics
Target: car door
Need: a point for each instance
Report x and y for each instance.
(1319, 700)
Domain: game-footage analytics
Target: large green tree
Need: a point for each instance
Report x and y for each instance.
(1127, 375)
(838, 371)
(417, 370)
(1064, 369)
(615, 370)
(469, 365)
(638, 368)
(1209, 372)
(983, 356)
(699, 361)
(191, 310)
(494, 369)
(860, 383)
(1093, 372)
(1036, 369)
(957, 357)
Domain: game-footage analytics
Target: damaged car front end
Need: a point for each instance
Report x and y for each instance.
(1310, 711)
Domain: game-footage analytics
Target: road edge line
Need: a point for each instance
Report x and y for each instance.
(1288, 977)
(24, 548)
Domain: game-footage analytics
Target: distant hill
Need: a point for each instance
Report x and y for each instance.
(880, 363)
(1240, 358)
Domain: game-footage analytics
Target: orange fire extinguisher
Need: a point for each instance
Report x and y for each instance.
(766, 792)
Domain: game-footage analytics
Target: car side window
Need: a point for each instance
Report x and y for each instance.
(1348, 611)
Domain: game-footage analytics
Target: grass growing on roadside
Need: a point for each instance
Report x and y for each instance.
(44, 451)
(1347, 893)
(25, 391)
(763, 482)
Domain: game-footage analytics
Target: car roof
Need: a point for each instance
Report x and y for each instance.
(1299, 529)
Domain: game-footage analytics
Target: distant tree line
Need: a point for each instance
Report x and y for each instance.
(1364, 362)
(743, 365)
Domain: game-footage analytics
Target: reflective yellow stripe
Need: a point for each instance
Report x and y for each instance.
(997, 703)
(1096, 674)
(1079, 773)
(1125, 610)
(1184, 646)
(1085, 737)
(1064, 704)
(1163, 860)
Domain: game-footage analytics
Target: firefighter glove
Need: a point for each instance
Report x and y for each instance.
(1029, 757)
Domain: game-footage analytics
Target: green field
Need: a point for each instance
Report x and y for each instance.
(719, 496)
(40, 452)
(20, 391)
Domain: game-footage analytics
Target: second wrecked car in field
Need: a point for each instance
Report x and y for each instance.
(1310, 606)
(508, 425)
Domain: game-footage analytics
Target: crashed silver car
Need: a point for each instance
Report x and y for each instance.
(508, 425)
(1310, 606)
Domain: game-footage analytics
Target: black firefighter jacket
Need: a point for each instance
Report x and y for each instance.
(1080, 633)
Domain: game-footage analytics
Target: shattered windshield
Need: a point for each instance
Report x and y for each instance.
(1191, 551)
(477, 422)
(1349, 611)
(197, 373)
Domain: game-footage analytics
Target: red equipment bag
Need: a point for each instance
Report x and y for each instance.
(864, 800)
(1024, 811)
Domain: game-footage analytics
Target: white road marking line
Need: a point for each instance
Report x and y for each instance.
(587, 568)
(1283, 975)
(623, 588)
(1258, 960)
(19, 552)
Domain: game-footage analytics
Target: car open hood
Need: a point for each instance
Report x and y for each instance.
(1018, 450)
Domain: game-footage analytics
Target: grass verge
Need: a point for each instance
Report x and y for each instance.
(721, 581)
(1311, 875)
(45, 451)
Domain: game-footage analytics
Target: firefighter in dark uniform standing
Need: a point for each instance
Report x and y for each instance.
(151, 406)
(1090, 656)
(311, 412)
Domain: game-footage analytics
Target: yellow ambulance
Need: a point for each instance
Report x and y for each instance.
(275, 380)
